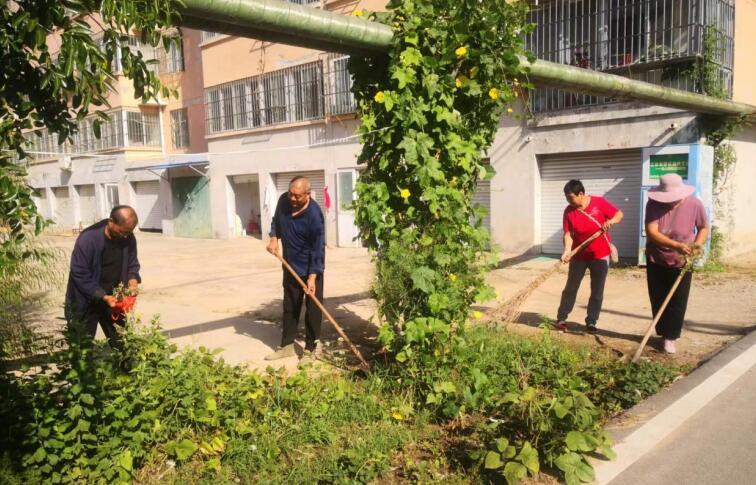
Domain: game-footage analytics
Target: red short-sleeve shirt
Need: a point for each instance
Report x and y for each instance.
(581, 227)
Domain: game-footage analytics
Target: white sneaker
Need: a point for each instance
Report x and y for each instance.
(669, 346)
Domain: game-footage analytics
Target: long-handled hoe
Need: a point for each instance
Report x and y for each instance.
(689, 262)
(339, 330)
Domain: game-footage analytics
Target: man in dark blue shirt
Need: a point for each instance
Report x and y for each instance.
(298, 222)
(104, 256)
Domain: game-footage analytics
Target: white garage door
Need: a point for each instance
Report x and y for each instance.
(149, 204)
(483, 197)
(87, 204)
(40, 200)
(64, 216)
(317, 184)
(615, 175)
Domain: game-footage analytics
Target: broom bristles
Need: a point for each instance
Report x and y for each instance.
(509, 311)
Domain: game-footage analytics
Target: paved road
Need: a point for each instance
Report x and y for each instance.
(717, 445)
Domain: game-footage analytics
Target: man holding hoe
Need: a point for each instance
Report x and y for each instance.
(299, 224)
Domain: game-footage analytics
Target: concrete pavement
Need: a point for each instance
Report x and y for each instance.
(702, 431)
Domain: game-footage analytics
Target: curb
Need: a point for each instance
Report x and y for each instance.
(663, 413)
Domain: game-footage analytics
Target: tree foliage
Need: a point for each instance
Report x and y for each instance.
(428, 113)
(55, 71)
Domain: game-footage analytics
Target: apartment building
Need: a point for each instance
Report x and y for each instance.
(618, 149)
(77, 182)
(264, 112)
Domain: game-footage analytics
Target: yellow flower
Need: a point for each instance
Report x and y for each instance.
(493, 93)
(460, 80)
(404, 193)
(379, 97)
(461, 52)
(509, 110)
(397, 415)
(453, 182)
(452, 277)
(477, 315)
(358, 13)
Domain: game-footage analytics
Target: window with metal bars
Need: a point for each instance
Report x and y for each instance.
(341, 98)
(657, 41)
(283, 96)
(180, 128)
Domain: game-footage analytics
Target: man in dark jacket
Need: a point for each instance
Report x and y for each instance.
(104, 256)
(298, 222)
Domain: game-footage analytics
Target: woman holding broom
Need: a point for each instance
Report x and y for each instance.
(676, 227)
(583, 217)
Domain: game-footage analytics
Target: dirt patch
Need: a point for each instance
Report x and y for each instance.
(721, 309)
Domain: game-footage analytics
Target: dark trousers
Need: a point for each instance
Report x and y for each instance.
(99, 313)
(599, 268)
(660, 280)
(292, 307)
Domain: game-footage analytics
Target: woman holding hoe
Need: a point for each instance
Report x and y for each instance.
(676, 227)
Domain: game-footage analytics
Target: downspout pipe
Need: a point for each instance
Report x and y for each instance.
(289, 23)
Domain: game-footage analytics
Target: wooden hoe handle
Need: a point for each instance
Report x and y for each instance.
(338, 328)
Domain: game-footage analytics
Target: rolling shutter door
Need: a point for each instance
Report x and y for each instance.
(615, 175)
(40, 200)
(149, 205)
(317, 184)
(64, 216)
(87, 204)
(483, 197)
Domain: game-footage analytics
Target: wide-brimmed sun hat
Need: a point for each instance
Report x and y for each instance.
(670, 189)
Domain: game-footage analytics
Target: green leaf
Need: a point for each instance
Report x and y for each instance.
(502, 444)
(529, 457)
(126, 461)
(185, 449)
(210, 404)
(514, 472)
(560, 410)
(493, 461)
(576, 441)
(422, 278)
(606, 451)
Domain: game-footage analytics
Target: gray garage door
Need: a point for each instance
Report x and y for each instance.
(615, 175)
(64, 214)
(149, 205)
(87, 204)
(483, 197)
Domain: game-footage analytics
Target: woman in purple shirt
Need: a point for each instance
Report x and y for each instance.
(676, 226)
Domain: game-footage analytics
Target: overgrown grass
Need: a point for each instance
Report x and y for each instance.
(188, 417)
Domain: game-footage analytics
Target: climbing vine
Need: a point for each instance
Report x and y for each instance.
(428, 112)
(718, 130)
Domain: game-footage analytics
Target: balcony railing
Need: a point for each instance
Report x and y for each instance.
(299, 93)
(659, 41)
(125, 128)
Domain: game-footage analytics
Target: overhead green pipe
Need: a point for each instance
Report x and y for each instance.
(277, 21)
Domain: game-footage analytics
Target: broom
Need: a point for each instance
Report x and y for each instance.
(509, 311)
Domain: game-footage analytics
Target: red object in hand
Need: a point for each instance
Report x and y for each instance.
(123, 306)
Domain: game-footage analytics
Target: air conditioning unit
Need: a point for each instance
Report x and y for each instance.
(65, 163)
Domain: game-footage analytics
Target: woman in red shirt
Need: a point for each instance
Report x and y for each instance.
(585, 215)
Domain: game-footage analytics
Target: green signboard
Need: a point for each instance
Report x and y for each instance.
(671, 163)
